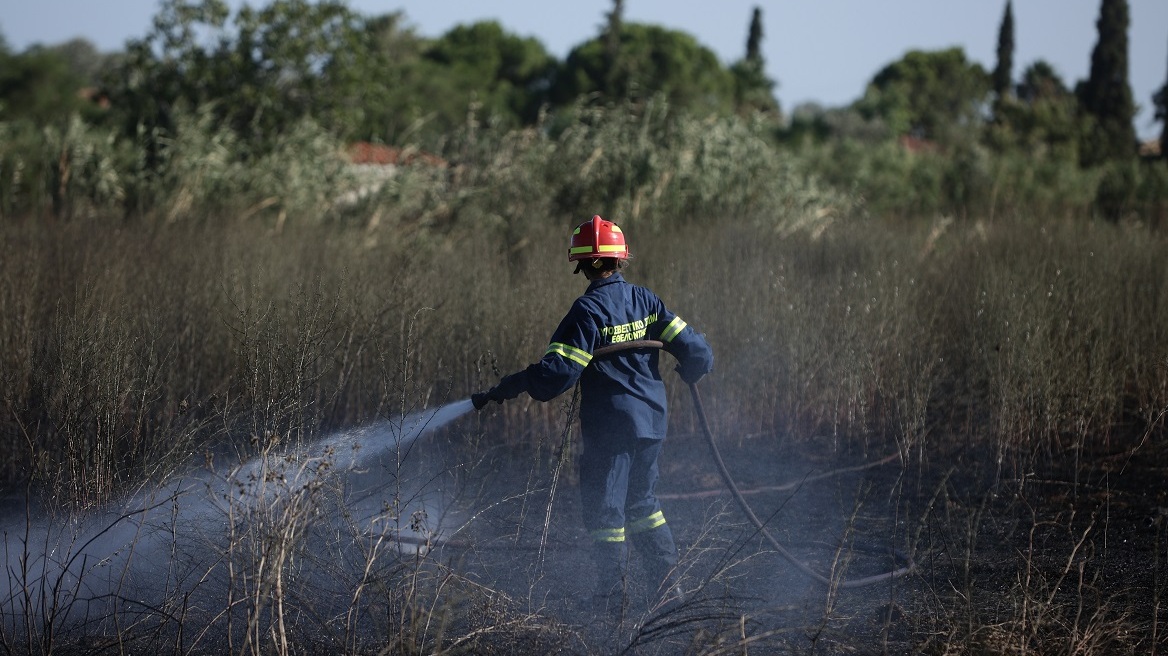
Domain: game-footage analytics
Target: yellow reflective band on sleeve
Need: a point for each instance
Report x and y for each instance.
(649, 523)
(673, 329)
(570, 352)
(608, 535)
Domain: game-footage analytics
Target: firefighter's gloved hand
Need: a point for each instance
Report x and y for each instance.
(510, 387)
(481, 399)
(688, 376)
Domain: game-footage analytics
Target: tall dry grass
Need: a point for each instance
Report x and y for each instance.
(125, 350)
(129, 351)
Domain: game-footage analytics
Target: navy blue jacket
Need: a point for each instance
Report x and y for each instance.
(620, 393)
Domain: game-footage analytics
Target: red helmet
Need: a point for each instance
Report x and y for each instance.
(597, 238)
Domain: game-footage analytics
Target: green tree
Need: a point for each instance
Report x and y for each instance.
(1003, 71)
(753, 90)
(1044, 118)
(264, 72)
(507, 75)
(614, 20)
(376, 90)
(1160, 102)
(654, 60)
(40, 86)
(84, 59)
(275, 74)
(933, 95)
(360, 78)
(174, 64)
(754, 38)
(1105, 98)
(408, 88)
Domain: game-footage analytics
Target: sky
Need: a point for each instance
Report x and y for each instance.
(819, 51)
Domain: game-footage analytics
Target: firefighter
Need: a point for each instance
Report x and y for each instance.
(622, 409)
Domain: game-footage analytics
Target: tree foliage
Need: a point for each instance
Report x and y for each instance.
(1004, 70)
(612, 39)
(753, 90)
(754, 38)
(653, 60)
(374, 87)
(1160, 103)
(931, 95)
(267, 69)
(42, 85)
(264, 73)
(1105, 98)
(509, 75)
(250, 85)
(1043, 117)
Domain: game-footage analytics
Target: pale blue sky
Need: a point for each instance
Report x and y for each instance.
(821, 51)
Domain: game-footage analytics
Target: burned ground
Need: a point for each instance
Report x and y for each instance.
(426, 551)
(1047, 561)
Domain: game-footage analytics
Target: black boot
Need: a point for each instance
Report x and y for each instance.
(659, 553)
(609, 597)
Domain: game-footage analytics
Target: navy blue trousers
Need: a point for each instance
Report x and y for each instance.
(618, 476)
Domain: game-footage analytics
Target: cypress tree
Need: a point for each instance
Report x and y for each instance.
(1160, 101)
(754, 40)
(612, 30)
(1106, 96)
(1004, 71)
(616, 80)
(753, 89)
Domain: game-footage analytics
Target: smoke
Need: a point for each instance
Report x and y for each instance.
(205, 541)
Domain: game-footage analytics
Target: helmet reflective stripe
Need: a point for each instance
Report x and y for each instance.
(649, 523)
(570, 352)
(603, 248)
(673, 329)
(608, 535)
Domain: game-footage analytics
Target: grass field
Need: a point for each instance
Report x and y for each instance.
(1018, 371)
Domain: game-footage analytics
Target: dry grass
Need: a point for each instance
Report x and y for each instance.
(126, 350)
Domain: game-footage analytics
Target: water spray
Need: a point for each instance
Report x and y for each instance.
(66, 573)
(352, 449)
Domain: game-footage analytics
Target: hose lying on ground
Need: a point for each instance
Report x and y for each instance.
(906, 564)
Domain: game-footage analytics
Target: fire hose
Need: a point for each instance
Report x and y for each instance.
(905, 563)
